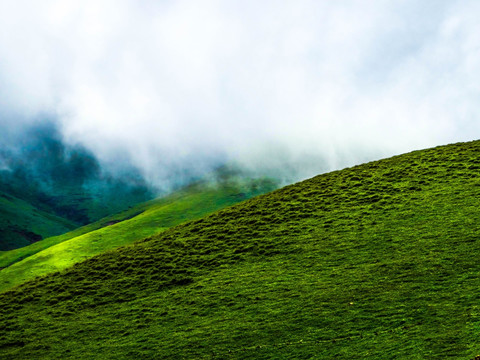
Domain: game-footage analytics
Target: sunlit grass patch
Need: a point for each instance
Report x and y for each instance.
(139, 222)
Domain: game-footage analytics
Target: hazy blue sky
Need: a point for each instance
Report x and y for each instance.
(313, 85)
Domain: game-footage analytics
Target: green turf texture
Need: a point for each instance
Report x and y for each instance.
(143, 220)
(378, 261)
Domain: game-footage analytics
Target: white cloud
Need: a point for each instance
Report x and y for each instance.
(175, 84)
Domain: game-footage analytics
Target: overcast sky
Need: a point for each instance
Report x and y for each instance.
(305, 85)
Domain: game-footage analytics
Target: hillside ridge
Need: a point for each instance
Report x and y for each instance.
(373, 261)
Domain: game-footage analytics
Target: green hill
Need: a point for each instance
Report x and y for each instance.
(59, 252)
(21, 223)
(378, 261)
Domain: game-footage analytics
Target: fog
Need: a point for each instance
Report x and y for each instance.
(286, 88)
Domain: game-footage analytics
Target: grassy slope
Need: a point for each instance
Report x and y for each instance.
(10, 257)
(143, 220)
(375, 261)
(21, 223)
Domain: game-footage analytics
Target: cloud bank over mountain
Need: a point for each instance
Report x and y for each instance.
(179, 87)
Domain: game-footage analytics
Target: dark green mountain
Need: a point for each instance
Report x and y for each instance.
(378, 261)
(22, 224)
(48, 188)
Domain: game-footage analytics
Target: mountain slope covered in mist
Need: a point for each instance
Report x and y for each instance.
(63, 182)
(374, 261)
(140, 221)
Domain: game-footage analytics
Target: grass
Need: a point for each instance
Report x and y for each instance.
(377, 261)
(143, 220)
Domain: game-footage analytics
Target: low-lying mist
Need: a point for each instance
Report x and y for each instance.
(162, 93)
